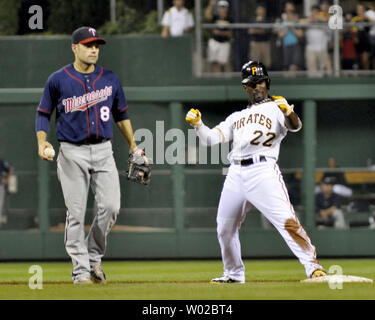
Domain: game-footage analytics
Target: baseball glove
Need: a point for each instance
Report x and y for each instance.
(139, 168)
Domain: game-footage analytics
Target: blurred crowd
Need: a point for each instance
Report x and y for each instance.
(289, 42)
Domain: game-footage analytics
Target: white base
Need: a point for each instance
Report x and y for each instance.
(338, 279)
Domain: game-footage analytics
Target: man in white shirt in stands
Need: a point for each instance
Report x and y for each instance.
(317, 37)
(177, 20)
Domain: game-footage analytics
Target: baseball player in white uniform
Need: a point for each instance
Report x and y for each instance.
(254, 177)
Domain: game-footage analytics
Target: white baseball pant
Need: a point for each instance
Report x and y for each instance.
(261, 185)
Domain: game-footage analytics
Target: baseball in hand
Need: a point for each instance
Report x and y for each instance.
(49, 152)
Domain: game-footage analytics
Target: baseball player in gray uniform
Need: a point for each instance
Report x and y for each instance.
(84, 96)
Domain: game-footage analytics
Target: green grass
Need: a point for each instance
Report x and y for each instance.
(186, 280)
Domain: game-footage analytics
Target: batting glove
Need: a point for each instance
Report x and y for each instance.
(283, 105)
(193, 117)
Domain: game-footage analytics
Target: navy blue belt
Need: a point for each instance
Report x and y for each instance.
(86, 141)
(250, 161)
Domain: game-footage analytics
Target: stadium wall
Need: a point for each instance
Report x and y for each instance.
(177, 214)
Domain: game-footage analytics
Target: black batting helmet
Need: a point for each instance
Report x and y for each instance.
(253, 72)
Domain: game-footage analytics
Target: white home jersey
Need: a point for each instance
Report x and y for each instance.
(256, 130)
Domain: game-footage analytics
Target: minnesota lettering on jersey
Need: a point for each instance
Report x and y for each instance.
(253, 118)
(87, 100)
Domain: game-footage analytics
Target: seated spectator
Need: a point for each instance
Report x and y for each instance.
(340, 187)
(260, 46)
(340, 177)
(363, 46)
(177, 20)
(219, 46)
(349, 40)
(317, 38)
(328, 205)
(291, 38)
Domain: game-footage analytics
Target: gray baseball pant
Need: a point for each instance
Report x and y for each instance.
(78, 168)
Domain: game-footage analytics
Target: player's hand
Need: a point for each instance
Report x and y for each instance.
(283, 105)
(193, 117)
(137, 152)
(41, 147)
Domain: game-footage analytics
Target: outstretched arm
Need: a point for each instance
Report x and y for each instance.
(209, 136)
(206, 135)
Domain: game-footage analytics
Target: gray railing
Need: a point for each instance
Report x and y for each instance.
(336, 65)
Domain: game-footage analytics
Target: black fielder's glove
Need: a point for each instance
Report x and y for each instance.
(139, 168)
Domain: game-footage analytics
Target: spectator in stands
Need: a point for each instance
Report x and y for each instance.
(291, 37)
(219, 44)
(341, 186)
(177, 20)
(316, 50)
(340, 176)
(6, 171)
(370, 13)
(328, 205)
(324, 14)
(363, 46)
(260, 45)
(348, 39)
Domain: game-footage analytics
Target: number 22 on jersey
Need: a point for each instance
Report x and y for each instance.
(266, 142)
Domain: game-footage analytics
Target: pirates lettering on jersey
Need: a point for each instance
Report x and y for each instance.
(82, 103)
(253, 118)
